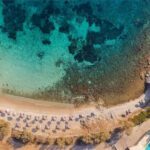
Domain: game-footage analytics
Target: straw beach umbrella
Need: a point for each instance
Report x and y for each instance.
(37, 127)
(17, 125)
(28, 125)
(70, 118)
(47, 127)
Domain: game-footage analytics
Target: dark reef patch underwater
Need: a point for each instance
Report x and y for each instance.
(73, 51)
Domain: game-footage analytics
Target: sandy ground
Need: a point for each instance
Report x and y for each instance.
(132, 139)
(21, 104)
(142, 143)
(26, 104)
(18, 105)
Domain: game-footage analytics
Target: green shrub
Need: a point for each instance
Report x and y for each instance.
(141, 117)
(148, 112)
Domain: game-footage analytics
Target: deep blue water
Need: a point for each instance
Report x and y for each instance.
(56, 49)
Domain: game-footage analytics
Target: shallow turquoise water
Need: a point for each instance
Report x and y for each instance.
(68, 47)
(148, 147)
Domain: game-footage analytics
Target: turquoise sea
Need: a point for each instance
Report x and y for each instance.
(70, 49)
(148, 147)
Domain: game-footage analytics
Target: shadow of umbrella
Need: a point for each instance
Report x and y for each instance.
(83, 147)
(16, 144)
(147, 93)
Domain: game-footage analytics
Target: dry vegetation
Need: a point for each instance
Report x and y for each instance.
(22, 136)
(4, 129)
(26, 137)
(96, 136)
(95, 132)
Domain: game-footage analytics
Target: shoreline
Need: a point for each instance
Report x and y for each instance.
(28, 104)
(13, 104)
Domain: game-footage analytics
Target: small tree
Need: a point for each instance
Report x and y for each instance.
(148, 112)
(105, 136)
(94, 138)
(51, 141)
(4, 129)
(69, 141)
(60, 142)
(23, 136)
(140, 118)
